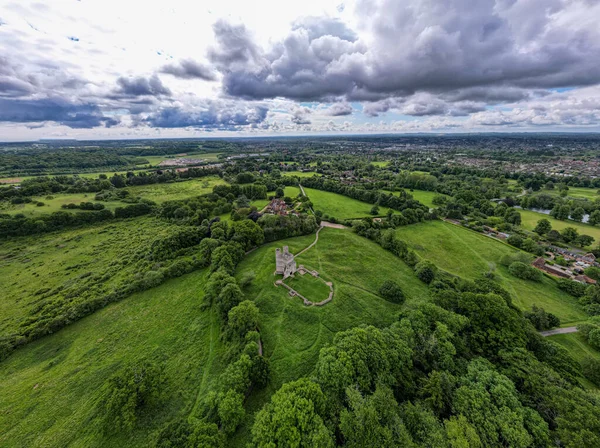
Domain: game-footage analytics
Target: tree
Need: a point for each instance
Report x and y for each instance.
(543, 227)
(569, 234)
(279, 193)
(540, 319)
(553, 235)
(426, 271)
(591, 369)
(248, 233)
(515, 240)
(242, 318)
(577, 214)
(374, 210)
(594, 218)
(584, 240)
(293, 418)
(524, 271)
(192, 433)
(391, 291)
(231, 295)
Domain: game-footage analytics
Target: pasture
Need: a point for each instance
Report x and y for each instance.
(53, 203)
(49, 388)
(176, 190)
(424, 197)
(469, 254)
(529, 220)
(339, 206)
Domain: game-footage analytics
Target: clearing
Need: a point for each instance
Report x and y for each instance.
(340, 207)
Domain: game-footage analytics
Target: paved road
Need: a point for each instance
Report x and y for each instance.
(565, 330)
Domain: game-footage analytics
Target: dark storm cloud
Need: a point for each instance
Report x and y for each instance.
(339, 109)
(190, 69)
(56, 110)
(458, 49)
(141, 86)
(210, 115)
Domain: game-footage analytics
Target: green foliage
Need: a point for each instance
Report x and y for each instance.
(591, 370)
(390, 290)
(242, 318)
(525, 271)
(574, 288)
(426, 271)
(543, 227)
(293, 418)
(540, 319)
(128, 392)
(189, 434)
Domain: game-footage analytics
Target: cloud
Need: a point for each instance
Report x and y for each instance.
(190, 69)
(209, 114)
(420, 46)
(141, 86)
(56, 110)
(339, 109)
(300, 115)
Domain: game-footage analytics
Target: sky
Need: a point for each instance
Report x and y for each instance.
(111, 69)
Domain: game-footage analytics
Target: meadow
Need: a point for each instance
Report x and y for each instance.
(299, 174)
(49, 389)
(530, 218)
(339, 206)
(424, 197)
(54, 203)
(590, 194)
(176, 190)
(468, 254)
(82, 263)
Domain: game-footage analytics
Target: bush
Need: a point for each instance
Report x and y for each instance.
(128, 392)
(426, 271)
(591, 370)
(525, 272)
(540, 319)
(391, 292)
(521, 257)
(515, 240)
(576, 289)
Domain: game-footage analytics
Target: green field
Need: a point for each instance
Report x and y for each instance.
(83, 263)
(381, 163)
(54, 203)
(339, 206)
(176, 190)
(469, 254)
(424, 197)
(310, 287)
(575, 192)
(299, 174)
(530, 218)
(49, 389)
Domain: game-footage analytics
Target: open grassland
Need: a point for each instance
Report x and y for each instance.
(299, 174)
(293, 333)
(77, 264)
(339, 206)
(53, 203)
(469, 254)
(575, 192)
(530, 218)
(424, 197)
(49, 389)
(176, 190)
(381, 163)
(579, 349)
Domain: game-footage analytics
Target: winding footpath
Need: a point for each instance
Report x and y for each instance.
(565, 330)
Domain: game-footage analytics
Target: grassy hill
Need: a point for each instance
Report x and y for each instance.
(469, 254)
(579, 349)
(48, 389)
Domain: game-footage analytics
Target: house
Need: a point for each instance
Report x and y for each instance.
(284, 262)
(277, 207)
(588, 258)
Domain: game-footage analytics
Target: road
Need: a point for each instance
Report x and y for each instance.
(565, 330)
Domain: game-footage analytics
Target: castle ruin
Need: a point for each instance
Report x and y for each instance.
(284, 262)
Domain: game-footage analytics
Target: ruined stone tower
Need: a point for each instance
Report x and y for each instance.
(285, 263)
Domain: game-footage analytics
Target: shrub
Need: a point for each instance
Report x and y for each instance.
(591, 370)
(391, 291)
(426, 271)
(540, 319)
(127, 392)
(507, 260)
(576, 289)
(524, 271)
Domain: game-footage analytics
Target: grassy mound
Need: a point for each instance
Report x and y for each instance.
(469, 254)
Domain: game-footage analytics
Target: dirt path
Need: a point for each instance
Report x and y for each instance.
(311, 244)
(565, 330)
(332, 225)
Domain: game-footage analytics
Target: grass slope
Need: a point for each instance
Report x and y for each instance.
(339, 206)
(469, 254)
(93, 258)
(579, 349)
(49, 388)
